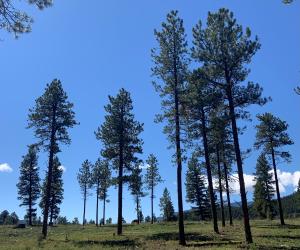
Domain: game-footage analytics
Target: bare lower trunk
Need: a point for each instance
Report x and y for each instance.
(104, 201)
(208, 169)
(220, 187)
(97, 204)
(120, 199)
(84, 207)
(239, 163)
(228, 194)
(277, 188)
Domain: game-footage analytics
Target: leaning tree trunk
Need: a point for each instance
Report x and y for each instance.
(227, 193)
(277, 188)
(239, 163)
(49, 176)
(208, 169)
(97, 204)
(220, 187)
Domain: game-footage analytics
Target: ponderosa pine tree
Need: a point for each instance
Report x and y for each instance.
(96, 175)
(120, 137)
(17, 21)
(104, 184)
(196, 191)
(152, 179)
(271, 135)
(51, 117)
(136, 187)
(57, 191)
(84, 178)
(29, 182)
(170, 67)
(166, 206)
(263, 189)
(201, 100)
(224, 50)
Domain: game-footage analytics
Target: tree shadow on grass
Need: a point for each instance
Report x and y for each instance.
(111, 243)
(175, 236)
(291, 237)
(214, 244)
(287, 226)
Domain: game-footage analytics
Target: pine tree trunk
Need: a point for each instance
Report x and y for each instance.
(137, 210)
(208, 169)
(228, 193)
(30, 199)
(84, 206)
(220, 187)
(179, 170)
(104, 201)
(152, 203)
(49, 176)
(120, 192)
(239, 162)
(97, 204)
(277, 188)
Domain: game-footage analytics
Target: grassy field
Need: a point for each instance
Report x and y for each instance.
(267, 235)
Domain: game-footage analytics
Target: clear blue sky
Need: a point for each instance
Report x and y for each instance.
(96, 48)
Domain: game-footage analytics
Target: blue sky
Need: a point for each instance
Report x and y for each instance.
(99, 47)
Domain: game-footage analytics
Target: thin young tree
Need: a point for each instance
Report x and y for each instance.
(101, 179)
(29, 182)
(120, 137)
(104, 184)
(152, 179)
(166, 206)
(136, 187)
(196, 191)
(170, 66)
(84, 178)
(263, 189)
(57, 191)
(272, 136)
(17, 21)
(224, 50)
(51, 117)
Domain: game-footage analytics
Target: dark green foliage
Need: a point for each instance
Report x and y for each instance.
(196, 192)
(101, 178)
(62, 220)
(8, 219)
(224, 50)
(152, 178)
(170, 67)
(148, 219)
(263, 189)
(17, 21)
(271, 135)
(29, 182)
(84, 178)
(57, 191)
(136, 188)
(120, 138)
(75, 221)
(166, 206)
(51, 117)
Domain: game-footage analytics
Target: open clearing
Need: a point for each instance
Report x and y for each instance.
(266, 234)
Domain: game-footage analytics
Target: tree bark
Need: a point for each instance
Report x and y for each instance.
(239, 162)
(49, 176)
(228, 193)
(120, 192)
(104, 201)
(30, 198)
(277, 188)
(84, 206)
(208, 169)
(152, 191)
(220, 186)
(97, 204)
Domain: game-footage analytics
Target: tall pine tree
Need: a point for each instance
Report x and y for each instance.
(263, 189)
(271, 135)
(170, 67)
(120, 137)
(84, 178)
(224, 50)
(51, 117)
(166, 206)
(152, 179)
(28, 185)
(196, 191)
